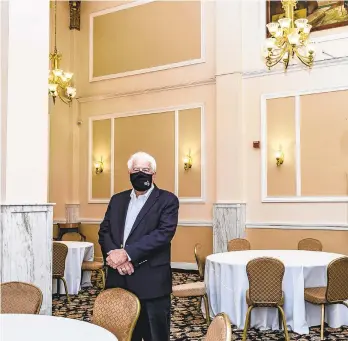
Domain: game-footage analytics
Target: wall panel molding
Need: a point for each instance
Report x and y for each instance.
(298, 198)
(103, 97)
(176, 109)
(126, 6)
(184, 223)
(298, 226)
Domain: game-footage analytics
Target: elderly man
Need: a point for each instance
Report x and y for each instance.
(135, 237)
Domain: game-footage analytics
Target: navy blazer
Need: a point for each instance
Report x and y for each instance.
(148, 244)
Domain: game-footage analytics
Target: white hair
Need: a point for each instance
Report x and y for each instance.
(144, 157)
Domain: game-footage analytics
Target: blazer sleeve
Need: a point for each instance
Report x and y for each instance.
(105, 239)
(159, 237)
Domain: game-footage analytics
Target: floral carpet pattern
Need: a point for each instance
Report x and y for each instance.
(188, 323)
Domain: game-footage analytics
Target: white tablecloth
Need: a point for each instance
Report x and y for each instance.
(49, 328)
(77, 253)
(226, 281)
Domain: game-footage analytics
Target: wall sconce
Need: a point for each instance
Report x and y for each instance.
(279, 158)
(99, 166)
(188, 161)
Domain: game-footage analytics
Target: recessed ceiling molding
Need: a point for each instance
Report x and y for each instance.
(189, 62)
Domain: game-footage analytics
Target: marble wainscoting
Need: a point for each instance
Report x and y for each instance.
(228, 223)
(26, 247)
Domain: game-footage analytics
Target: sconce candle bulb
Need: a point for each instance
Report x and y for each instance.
(188, 161)
(279, 158)
(99, 166)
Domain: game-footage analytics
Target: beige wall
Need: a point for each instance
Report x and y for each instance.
(231, 94)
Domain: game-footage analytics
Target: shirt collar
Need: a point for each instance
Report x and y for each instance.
(145, 195)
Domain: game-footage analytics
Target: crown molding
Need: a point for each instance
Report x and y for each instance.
(103, 97)
(296, 68)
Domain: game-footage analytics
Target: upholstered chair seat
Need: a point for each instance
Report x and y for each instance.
(196, 289)
(264, 304)
(189, 289)
(94, 266)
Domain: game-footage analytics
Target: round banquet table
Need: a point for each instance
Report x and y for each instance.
(77, 253)
(226, 281)
(20, 327)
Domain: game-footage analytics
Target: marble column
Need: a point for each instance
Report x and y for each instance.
(229, 210)
(26, 247)
(228, 223)
(26, 216)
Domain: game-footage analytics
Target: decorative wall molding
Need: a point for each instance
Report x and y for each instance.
(296, 68)
(202, 82)
(147, 70)
(298, 226)
(184, 223)
(298, 198)
(176, 109)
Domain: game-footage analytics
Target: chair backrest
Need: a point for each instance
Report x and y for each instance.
(219, 329)
(265, 276)
(20, 298)
(337, 280)
(238, 244)
(72, 236)
(60, 251)
(310, 244)
(117, 310)
(201, 254)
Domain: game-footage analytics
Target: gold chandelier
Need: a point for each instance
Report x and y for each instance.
(59, 82)
(289, 37)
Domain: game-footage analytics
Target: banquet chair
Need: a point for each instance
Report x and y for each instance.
(60, 252)
(265, 276)
(117, 310)
(219, 329)
(196, 289)
(336, 291)
(94, 266)
(238, 244)
(20, 298)
(310, 244)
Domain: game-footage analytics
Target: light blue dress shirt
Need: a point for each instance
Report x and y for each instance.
(135, 206)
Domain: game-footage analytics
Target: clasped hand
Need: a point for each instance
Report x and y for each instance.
(118, 259)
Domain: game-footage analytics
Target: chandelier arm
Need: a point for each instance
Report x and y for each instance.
(305, 60)
(278, 59)
(63, 98)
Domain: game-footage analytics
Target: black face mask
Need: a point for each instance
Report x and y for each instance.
(141, 181)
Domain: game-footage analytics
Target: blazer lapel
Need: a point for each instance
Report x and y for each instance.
(123, 215)
(149, 203)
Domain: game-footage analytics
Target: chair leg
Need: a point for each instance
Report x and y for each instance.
(58, 288)
(322, 322)
(103, 278)
(206, 306)
(284, 323)
(280, 322)
(66, 289)
(247, 321)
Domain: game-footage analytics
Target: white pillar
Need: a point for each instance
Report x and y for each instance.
(26, 217)
(229, 210)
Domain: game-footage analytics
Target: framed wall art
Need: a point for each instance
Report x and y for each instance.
(322, 15)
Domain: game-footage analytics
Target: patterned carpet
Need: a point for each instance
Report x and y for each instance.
(188, 323)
